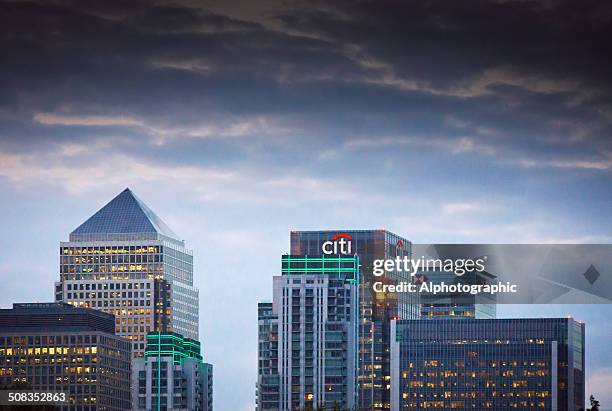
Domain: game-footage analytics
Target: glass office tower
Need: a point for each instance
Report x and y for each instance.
(457, 305)
(126, 261)
(55, 347)
(376, 310)
(492, 364)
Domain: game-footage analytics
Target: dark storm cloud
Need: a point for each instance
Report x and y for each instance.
(443, 42)
(177, 19)
(528, 79)
(556, 50)
(197, 62)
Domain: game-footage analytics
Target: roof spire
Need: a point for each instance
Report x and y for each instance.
(124, 214)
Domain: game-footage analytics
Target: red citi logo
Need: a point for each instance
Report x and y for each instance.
(339, 244)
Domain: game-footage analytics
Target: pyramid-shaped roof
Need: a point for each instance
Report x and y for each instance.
(124, 214)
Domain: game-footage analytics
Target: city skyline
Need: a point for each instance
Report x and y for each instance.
(484, 122)
(593, 314)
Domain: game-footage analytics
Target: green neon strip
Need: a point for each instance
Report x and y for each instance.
(159, 375)
(166, 352)
(159, 336)
(319, 259)
(320, 270)
(173, 352)
(357, 297)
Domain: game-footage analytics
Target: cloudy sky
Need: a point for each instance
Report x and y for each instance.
(236, 121)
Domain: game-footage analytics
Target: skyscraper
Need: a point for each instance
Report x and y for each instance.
(376, 309)
(126, 261)
(55, 347)
(308, 336)
(497, 364)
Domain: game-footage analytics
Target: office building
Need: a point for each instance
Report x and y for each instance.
(172, 375)
(457, 305)
(376, 309)
(126, 261)
(308, 335)
(60, 348)
(503, 364)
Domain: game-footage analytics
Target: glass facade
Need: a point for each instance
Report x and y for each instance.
(60, 348)
(503, 364)
(124, 260)
(127, 218)
(173, 345)
(376, 310)
(457, 305)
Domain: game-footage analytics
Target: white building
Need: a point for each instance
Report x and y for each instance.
(315, 307)
(172, 376)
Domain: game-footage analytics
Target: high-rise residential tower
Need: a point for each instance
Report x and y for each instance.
(126, 261)
(376, 309)
(308, 335)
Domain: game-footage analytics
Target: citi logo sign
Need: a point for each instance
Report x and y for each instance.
(339, 244)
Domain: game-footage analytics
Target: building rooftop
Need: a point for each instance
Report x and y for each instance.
(125, 214)
(29, 317)
(172, 344)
